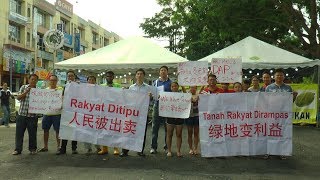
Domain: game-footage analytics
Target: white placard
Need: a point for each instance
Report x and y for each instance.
(174, 104)
(193, 73)
(45, 101)
(227, 70)
(245, 124)
(104, 115)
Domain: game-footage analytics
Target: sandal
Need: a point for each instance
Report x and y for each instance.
(195, 152)
(191, 152)
(179, 154)
(169, 154)
(43, 150)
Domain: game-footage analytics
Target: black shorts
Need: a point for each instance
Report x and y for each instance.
(175, 121)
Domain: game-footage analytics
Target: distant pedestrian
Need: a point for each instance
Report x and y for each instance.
(5, 104)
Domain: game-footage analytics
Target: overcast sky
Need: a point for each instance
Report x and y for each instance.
(120, 16)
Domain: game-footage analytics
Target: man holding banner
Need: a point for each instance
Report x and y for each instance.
(71, 78)
(51, 119)
(162, 84)
(139, 86)
(110, 83)
(277, 87)
(212, 85)
(26, 120)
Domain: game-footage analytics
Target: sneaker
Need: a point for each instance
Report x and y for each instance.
(123, 154)
(60, 152)
(153, 151)
(141, 154)
(16, 153)
(43, 150)
(33, 152)
(74, 152)
(266, 156)
(283, 157)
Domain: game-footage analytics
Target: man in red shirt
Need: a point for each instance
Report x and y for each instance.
(212, 85)
(225, 88)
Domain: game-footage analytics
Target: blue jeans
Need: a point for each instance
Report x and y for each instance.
(31, 124)
(6, 114)
(156, 122)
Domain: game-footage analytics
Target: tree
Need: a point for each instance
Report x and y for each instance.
(206, 26)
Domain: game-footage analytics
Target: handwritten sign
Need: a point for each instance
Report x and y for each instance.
(104, 115)
(227, 70)
(45, 101)
(175, 105)
(193, 73)
(245, 124)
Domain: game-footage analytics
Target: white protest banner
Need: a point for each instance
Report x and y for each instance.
(45, 101)
(174, 104)
(245, 124)
(104, 115)
(227, 70)
(193, 73)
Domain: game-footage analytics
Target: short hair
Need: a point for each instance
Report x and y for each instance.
(140, 69)
(175, 82)
(110, 72)
(166, 67)
(279, 70)
(246, 81)
(266, 72)
(91, 77)
(236, 83)
(255, 76)
(34, 75)
(212, 75)
(54, 76)
(71, 72)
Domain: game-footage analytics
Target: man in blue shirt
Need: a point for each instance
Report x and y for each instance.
(162, 84)
(279, 86)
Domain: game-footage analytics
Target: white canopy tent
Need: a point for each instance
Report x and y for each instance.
(127, 54)
(257, 54)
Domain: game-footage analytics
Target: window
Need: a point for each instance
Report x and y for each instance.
(14, 33)
(40, 43)
(41, 19)
(15, 6)
(94, 38)
(64, 22)
(28, 39)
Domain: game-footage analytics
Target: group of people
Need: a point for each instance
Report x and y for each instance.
(29, 121)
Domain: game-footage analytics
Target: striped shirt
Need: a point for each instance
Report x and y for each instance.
(24, 103)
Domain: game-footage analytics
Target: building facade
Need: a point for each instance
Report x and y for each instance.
(23, 26)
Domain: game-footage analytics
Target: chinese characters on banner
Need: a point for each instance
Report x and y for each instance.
(175, 105)
(45, 101)
(193, 73)
(104, 115)
(245, 124)
(227, 70)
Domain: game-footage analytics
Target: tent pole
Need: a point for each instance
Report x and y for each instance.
(318, 114)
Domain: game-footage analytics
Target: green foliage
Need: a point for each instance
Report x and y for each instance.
(196, 28)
